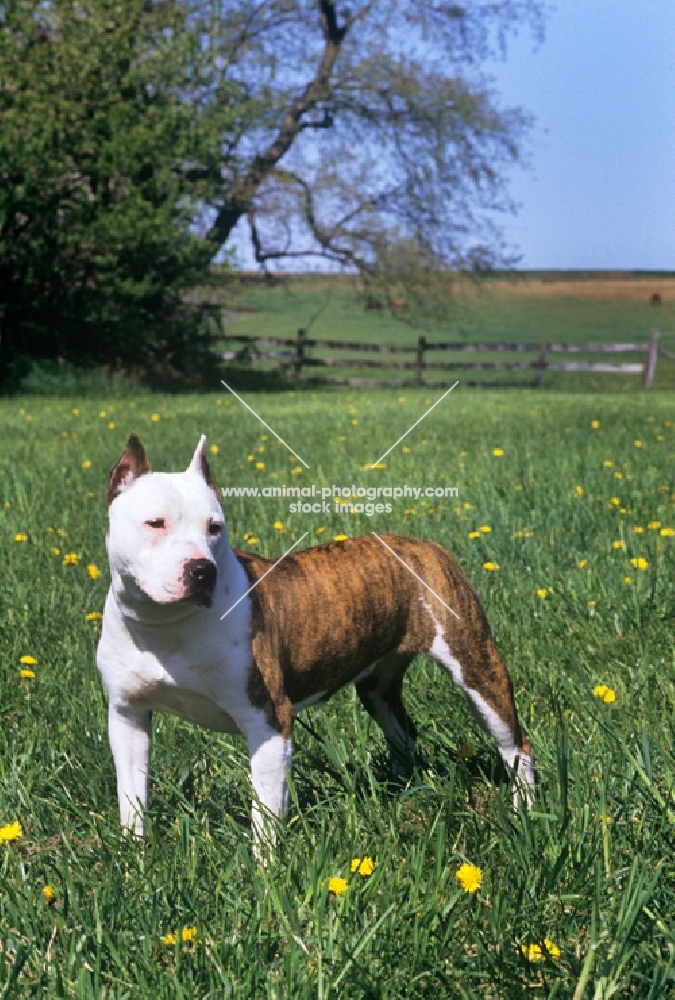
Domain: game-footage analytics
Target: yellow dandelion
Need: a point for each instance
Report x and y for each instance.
(189, 934)
(86, 464)
(604, 693)
(474, 534)
(155, 418)
(411, 510)
(61, 532)
(342, 437)
(27, 675)
(252, 541)
(48, 893)
(595, 424)
(498, 452)
(639, 563)
(21, 537)
(617, 544)
(469, 877)
(93, 572)
(70, 559)
(667, 532)
(654, 525)
(468, 506)
(214, 449)
(607, 464)
(583, 563)
(491, 566)
(355, 423)
(485, 528)
(378, 465)
(249, 458)
(260, 465)
(338, 885)
(296, 471)
(615, 502)
(278, 526)
(579, 490)
(405, 450)
(638, 444)
(169, 939)
(320, 531)
(364, 866)
(28, 661)
(542, 592)
(94, 616)
(111, 425)
(638, 530)
(339, 538)
(534, 952)
(76, 412)
(12, 831)
(627, 580)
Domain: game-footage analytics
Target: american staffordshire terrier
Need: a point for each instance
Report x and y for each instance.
(340, 612)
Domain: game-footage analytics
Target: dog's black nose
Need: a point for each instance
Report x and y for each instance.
(200, 580)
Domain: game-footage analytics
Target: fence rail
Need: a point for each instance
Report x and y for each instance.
(295, 361)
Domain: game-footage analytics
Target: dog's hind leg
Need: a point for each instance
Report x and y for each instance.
(479, 670)
(380, 692)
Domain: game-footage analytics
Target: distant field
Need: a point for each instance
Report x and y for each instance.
(584, 308)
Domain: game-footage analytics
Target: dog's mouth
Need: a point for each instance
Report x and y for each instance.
(199, 580)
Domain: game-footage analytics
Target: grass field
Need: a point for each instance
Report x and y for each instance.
(577, 897)
(559, 306)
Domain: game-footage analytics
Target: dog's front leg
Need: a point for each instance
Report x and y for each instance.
(271, 755)
(130, 734)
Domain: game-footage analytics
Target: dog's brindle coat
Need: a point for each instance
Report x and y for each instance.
(349, 611)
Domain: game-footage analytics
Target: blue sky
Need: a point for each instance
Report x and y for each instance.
(599, 192)
(601, 189)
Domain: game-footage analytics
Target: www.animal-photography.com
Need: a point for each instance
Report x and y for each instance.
(337, 358)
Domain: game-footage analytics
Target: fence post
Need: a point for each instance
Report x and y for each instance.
(421, 345)
(541, 362)
(650, 363)
(299, 354)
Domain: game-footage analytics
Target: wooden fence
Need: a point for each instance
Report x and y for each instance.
(295, 361)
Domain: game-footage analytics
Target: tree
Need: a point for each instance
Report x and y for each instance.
(104, 105)
(368, 136)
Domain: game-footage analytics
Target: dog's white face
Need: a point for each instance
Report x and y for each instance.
(166, 533)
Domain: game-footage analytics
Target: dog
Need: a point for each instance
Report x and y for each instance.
(183, 632)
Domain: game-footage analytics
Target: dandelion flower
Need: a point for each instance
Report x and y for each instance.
(579, 490)
(260, 465)
(615, 502)
(48, 893)
(27, 675)
(491, 566)
(278, 526)
(93, 572)
(617, 544)
(338, 885)
(628, 580)
(498, 452)
(94, 616)
(595, 424)
(189, 934)
(169, 939)
(12, 831)
(339, 538)
(604, 693)
(28, 661)
(667, 532)
(21, 537)
(485, 528)
(638, 530)
(214, 449)
(296, 471)
(542, 593)
(155, 418)
(320, 531)
(639, 563)
(469, 877)
(70, 559)
(583, 564)
(654, 525)
(86, 464)
(364, 866)
(474, 534)
(534, 952)
(638, 444)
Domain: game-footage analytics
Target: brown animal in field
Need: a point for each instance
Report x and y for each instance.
(373, 303)
(655, 299)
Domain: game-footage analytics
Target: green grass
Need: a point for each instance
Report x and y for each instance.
(602, 890)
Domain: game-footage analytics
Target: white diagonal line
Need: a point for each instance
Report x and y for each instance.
(263, 576)
(403, 563)
(425, 414)
(267, 425)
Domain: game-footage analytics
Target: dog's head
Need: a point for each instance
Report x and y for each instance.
(166, 529)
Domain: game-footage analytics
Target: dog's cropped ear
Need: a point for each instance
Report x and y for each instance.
(200, 466)
(132, 463)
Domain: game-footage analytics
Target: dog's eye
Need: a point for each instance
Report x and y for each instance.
(215, 528)
(157, 522)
